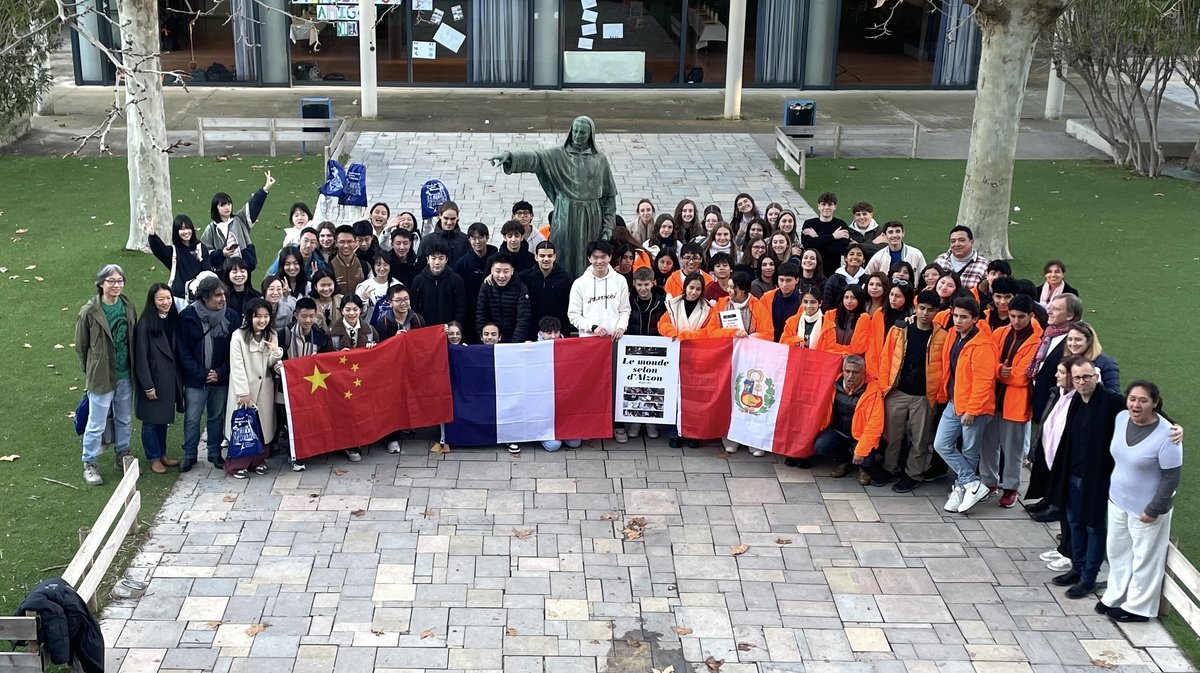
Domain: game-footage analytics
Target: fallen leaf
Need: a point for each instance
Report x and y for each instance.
(440, 448)
(376, 633)
(358, 512)
(681, 630)
(609, 516)
(1102, 663)
(782, 540)
(1155, 193)
(744, 646)
(633, 534)
(213, 624)
(523, 533)
(427, 513)
(510, 631)
(230, 498)
(73, 388)
(713, 665)
(58, 347)
(738, 549)
(108, 223)
(633, 643)
(9, 458)
(22, 231)
(637, 522)
(3, 269)
(256, 629)
(668, 669)
(426, 633)
(26, 345)
(39, 279)
(339, 471)
(31, 267)
(722, 455)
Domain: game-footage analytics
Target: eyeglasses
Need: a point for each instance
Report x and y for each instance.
(899, 282)
(692, 258)
(114, 281)
(1083, 379)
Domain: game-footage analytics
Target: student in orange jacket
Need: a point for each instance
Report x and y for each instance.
(804, 328)
(691, 257)
(688, 316)
(1004, 437)
(911, 376)
(854, 421)
(755, 316)
(783, 302)
(898, 306)
(845, 329)
(969, 363)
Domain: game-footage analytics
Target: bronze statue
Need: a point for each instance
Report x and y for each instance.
(579, 181)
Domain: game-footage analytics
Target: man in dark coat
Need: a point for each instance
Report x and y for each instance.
(67, 627)
(549, 286)
(203, 348)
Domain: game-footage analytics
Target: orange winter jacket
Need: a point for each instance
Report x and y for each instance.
(828, 342)
(768, 300)
(946, 320)
(892, 360)
(1018, 388)
(974, 377)
(867, 424)
(760, 314)
(674, 324)
(791, 331)
(674, 285)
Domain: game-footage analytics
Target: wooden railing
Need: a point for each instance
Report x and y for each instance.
(1179, 572)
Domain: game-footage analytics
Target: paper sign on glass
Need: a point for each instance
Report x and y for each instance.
(614, 31)
(457, 12)
(732, 318)
(422, 5)
(589, 29)
(590, 16)
(424, 50)
(436, 17)
(449, 38)
(589, 4)
(585, 43)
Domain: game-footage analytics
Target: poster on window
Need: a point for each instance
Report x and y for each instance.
(647, 383)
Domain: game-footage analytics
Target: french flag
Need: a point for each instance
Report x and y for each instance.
(508, 393)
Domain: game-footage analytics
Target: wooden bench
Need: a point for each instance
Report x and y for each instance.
(1181, 578)
(794, 144)
(23, 628)
(267, 129)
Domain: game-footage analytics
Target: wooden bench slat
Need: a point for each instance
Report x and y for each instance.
(18, 628)
(124, 490)
(1179, 566)
(87, 590)
(20, 661)
(1182, 603)
(270, 130)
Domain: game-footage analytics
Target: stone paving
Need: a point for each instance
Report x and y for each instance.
(666, 168)
(476, 560)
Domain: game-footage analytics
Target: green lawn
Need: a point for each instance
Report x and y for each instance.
(1131, 246)
(73, 215)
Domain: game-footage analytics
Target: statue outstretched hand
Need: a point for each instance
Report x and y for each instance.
(501, 159)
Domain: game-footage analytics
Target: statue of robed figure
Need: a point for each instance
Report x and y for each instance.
(579, 182)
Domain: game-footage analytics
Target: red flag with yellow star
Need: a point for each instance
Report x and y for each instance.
(346, 399)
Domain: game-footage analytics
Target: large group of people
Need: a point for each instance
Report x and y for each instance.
(952, 368)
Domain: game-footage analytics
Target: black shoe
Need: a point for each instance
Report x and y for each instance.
(1119, 615)
(1102, 609)
(881, 477)
(186, 464)
(693, 443)
(675, 443)
(1039, 506)
(798, 462)
(1066, 579)
(217, 462)
(934, 473)
(905, 484)
(1048, 515)
(1081, 589)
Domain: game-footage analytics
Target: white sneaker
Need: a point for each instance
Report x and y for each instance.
(955, 499)
(730, 447)
(1049, 556)
(652, 431)
(1060, 565)
(393, 447)
(298, 466)
(758, 453)
(972, 494)
(634, 431)
(619, 436)
(92, 475)
(353, 455)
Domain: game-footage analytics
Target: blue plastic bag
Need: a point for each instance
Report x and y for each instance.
(81, 415)
(433, 195)
(335, 180)
(355, 192)
(245, 434)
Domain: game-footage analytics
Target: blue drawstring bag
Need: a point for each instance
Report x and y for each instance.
(81, 416)
(355, 192)
(245, 434)
(433, 195)
(335, 180)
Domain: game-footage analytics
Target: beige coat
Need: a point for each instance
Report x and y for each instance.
(251, 372)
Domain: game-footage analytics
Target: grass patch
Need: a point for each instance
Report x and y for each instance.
(66, 207)
(1130, 246)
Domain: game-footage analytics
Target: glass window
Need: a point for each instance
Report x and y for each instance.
(905, 55)
(707, 44)
(213, 36)
(622, 42)
(391, 42)
(441, 46)
(500, 41)
(324, 42)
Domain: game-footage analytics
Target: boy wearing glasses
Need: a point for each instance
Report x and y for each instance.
(690, 258)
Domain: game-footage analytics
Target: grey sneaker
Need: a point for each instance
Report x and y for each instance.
(92, 475)
(353, 455)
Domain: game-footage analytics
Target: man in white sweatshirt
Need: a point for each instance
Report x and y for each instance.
(599, 304)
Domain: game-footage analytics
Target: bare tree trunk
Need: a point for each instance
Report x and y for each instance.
(1010, 28)
(145, 120)
(1193, 163)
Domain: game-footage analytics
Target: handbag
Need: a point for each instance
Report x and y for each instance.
(81, 415)
(245, 434)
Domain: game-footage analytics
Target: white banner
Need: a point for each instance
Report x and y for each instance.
(646, 389)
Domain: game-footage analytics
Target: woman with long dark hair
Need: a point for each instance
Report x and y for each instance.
(236, 276)
(229, 232)
(254, 357)
(290, 267)
(744, 210)
(159, 388)
(687, 221)
(186, 256)
(845, 328)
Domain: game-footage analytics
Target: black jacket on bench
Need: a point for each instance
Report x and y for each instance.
(66, 626)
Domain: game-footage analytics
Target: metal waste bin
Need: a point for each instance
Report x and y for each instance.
(315, 108)
(800, 113)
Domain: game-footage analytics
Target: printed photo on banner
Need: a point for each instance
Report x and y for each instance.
(647, 384)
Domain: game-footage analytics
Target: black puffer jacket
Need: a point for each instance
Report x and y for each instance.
(454, 240)
(506, 306)
(645, 313)
(548, 295)
(67, 627)
(439, 299)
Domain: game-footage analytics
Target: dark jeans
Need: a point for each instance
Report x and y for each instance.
(1087, 542)
(154, 441)
(838, 447)
(207, 401)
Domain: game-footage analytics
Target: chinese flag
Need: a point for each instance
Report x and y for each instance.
(350, 398)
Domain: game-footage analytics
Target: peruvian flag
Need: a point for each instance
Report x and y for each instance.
(775, 397)
(350, 398)
(508, 393)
